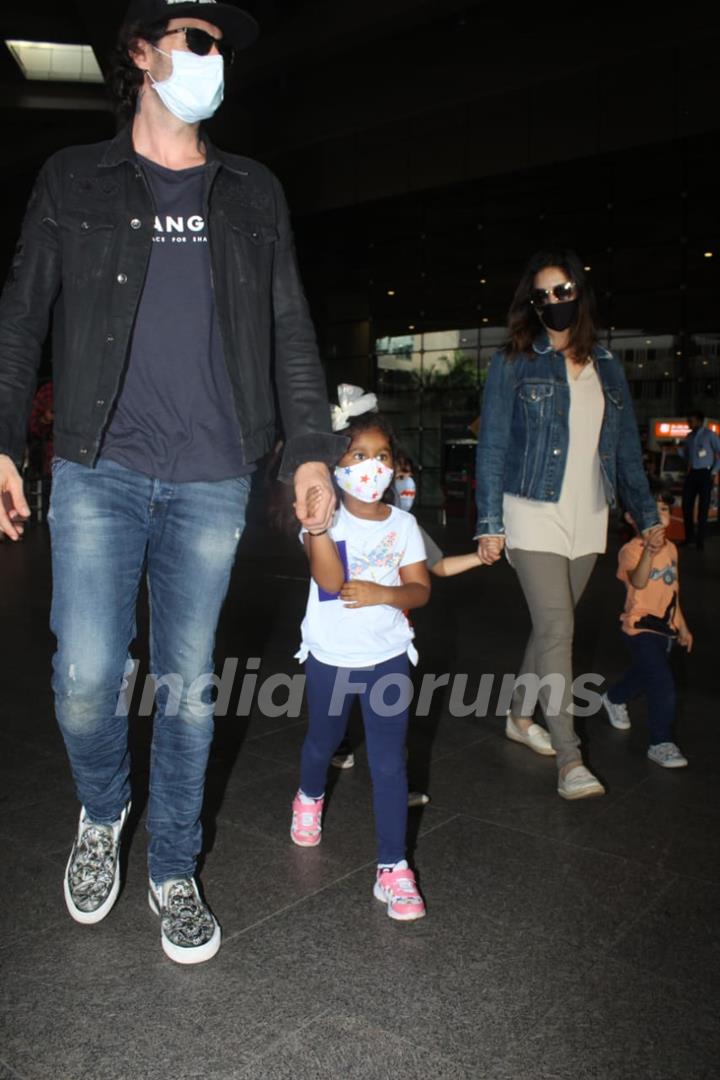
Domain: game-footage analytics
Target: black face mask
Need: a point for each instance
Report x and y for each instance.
(559, 316)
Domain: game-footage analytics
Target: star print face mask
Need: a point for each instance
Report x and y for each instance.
(365, 480)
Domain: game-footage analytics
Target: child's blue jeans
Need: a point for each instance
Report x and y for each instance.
(385, 692)
(650, 675)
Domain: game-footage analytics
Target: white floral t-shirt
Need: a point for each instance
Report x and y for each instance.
(370, 551)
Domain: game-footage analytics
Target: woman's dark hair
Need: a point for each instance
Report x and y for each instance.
(524, 324)
(124, 78)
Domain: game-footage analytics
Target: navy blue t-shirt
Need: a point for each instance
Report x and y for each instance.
(175, 419)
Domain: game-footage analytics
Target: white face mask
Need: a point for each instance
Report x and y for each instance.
(365, 480)
(194, 90)
(405, 491)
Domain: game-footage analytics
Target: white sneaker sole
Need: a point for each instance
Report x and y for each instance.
(382, 896)
(89, 918)
(343, 761)
(197, 955)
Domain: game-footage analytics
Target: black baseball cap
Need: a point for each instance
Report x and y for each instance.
(237, 25)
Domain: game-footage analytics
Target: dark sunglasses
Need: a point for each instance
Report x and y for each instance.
(201, 43)
(566, 291)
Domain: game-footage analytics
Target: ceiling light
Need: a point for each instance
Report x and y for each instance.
(587, 269)
(391, 292)
(709, 254)
(53, 62)
(411, 326)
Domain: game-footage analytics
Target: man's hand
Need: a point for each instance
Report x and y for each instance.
(490, 548)
(685, 638)
(13, 506)
(314, 496)
(358, 594)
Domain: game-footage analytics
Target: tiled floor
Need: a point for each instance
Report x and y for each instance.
(563, 940)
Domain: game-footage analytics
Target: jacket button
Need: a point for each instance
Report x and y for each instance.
(83, 449)
(121, 279)
(135, 223)
(254, 235)
(84, 225)
(551, 493)
(556, 451)
(109, 339)
(99, 402)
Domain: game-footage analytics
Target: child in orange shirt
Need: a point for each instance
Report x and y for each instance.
(651, 621)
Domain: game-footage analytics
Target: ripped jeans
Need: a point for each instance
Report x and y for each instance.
(109, 525)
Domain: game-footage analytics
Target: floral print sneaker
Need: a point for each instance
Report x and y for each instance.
(92, 874)
(189, 932)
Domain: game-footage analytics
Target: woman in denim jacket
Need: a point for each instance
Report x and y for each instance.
(558, 444)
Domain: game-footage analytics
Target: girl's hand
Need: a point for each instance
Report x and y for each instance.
(357, 594)
(490, 548)
(685, 638)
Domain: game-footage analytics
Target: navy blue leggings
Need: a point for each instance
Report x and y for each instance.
(650, 675)
(385, 701)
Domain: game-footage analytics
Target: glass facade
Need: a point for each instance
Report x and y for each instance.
(414, 289)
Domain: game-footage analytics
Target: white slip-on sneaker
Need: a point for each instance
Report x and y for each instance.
(536, 737)
(579, 783)
(617, 714)
(92, 874)
(189, 931)
(668, 755)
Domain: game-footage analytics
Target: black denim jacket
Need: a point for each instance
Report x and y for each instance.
(83, 254)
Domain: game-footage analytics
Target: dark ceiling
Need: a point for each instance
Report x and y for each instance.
(423, 141)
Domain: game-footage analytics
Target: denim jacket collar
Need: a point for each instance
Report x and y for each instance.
(542, 347)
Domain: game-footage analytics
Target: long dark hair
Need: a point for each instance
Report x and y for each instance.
(124, 78)
(524, 324)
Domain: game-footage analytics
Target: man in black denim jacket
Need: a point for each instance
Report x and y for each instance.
(179, 315)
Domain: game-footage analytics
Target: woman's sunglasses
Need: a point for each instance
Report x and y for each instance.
(201, 43)
(566, 291)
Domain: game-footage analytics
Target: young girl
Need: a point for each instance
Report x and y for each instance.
(651, 621)
(367, 569)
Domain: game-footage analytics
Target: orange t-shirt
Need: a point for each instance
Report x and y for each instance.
(653, 608)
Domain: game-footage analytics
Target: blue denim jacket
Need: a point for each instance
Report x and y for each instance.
(523, 438)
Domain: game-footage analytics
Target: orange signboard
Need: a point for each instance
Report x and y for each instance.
(678, 429)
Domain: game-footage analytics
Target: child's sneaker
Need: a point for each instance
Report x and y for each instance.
(306, 827)
(398, 889)
(617, 714)
(668, 755)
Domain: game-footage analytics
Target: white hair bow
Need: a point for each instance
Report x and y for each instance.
(352, 402)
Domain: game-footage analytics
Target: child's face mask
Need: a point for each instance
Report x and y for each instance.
(365, 480)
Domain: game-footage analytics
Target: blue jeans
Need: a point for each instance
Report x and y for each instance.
(384, 737)
(650, 675)
(109, 525)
